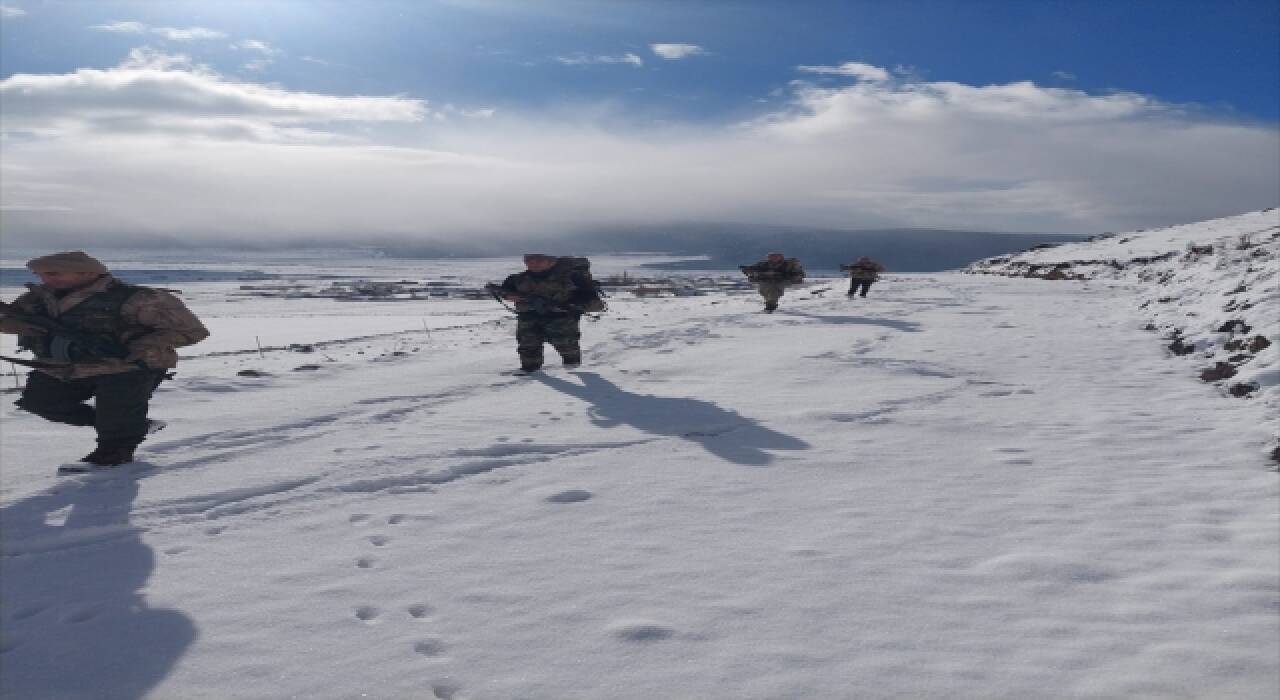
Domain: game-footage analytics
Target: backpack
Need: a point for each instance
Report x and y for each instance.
(579, 270)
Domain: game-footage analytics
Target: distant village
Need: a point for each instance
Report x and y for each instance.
(449, 287)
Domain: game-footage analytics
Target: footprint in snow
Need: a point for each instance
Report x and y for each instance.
(214, 530)
(379, 540)
(430, 647)
(358, 518)
(173, 551)
(445, 691)
(365, 562)
(367, 613)
(570, 496)
(640, 631)
(419, 611)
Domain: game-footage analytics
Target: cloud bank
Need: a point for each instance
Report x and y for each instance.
(162, 147)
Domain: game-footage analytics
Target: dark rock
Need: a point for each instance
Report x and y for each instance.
(252, 373)
(1233, 345)
(296, 347)
(1235, 326)
(1275, 454)
(1178, 347)
(1241, 390)
(306, 368)
(1258, 344)
(1218, 372)
(1240, 359)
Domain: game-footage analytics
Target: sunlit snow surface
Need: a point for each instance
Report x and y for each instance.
(958, 487)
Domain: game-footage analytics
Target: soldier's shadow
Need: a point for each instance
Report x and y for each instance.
(726, 434)
(76, 622)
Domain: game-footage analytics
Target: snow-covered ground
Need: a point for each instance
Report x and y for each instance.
(1212, 289)
(959, 487)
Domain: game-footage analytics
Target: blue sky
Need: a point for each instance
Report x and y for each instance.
(1222, 54)
(575, 91)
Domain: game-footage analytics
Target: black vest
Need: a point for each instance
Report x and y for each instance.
(98, 316)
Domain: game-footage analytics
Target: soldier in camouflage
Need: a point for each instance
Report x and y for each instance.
(79, 293)
(862, 274)
(549, 296)
(772, 276)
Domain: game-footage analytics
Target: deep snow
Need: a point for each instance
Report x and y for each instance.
(961, 486)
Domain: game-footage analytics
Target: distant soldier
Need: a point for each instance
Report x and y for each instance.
(862, 274)
(97, 337)
(772, 275)
(550, 296)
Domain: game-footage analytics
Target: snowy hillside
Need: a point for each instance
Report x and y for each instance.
(959, 487)
(1211, 289)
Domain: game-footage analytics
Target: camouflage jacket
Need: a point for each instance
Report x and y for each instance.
(557, 291)
(151, 324)
(864, 270)
(788, 271)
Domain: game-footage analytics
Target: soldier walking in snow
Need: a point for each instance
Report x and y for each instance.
(97, 337)
(771, 277)
(550, 297)
(862, 274)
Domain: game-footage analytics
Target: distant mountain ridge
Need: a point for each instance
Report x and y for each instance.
(726, 246)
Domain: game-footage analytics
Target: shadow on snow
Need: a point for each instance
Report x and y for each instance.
(72, 572)
(725, 434)
(907, 326)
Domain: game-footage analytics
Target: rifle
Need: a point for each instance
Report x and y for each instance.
(755, 274)
(536, 303)
(67, 344)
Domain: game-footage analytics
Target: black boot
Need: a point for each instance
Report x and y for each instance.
(109, 455)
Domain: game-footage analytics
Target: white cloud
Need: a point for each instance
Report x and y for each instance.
(148, 58)
(258, 64)
(156, 92)
(861, 71)
(320, 61)
(10, 12)
(580, 59)
(1064, 75)
(170, 33)
(167, 147)
(122, 27)
(256, 45)
(675, 52)
(188, 34)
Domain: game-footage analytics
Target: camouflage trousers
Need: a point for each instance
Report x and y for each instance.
(561, 330)
(772, 292)
(121, 401)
